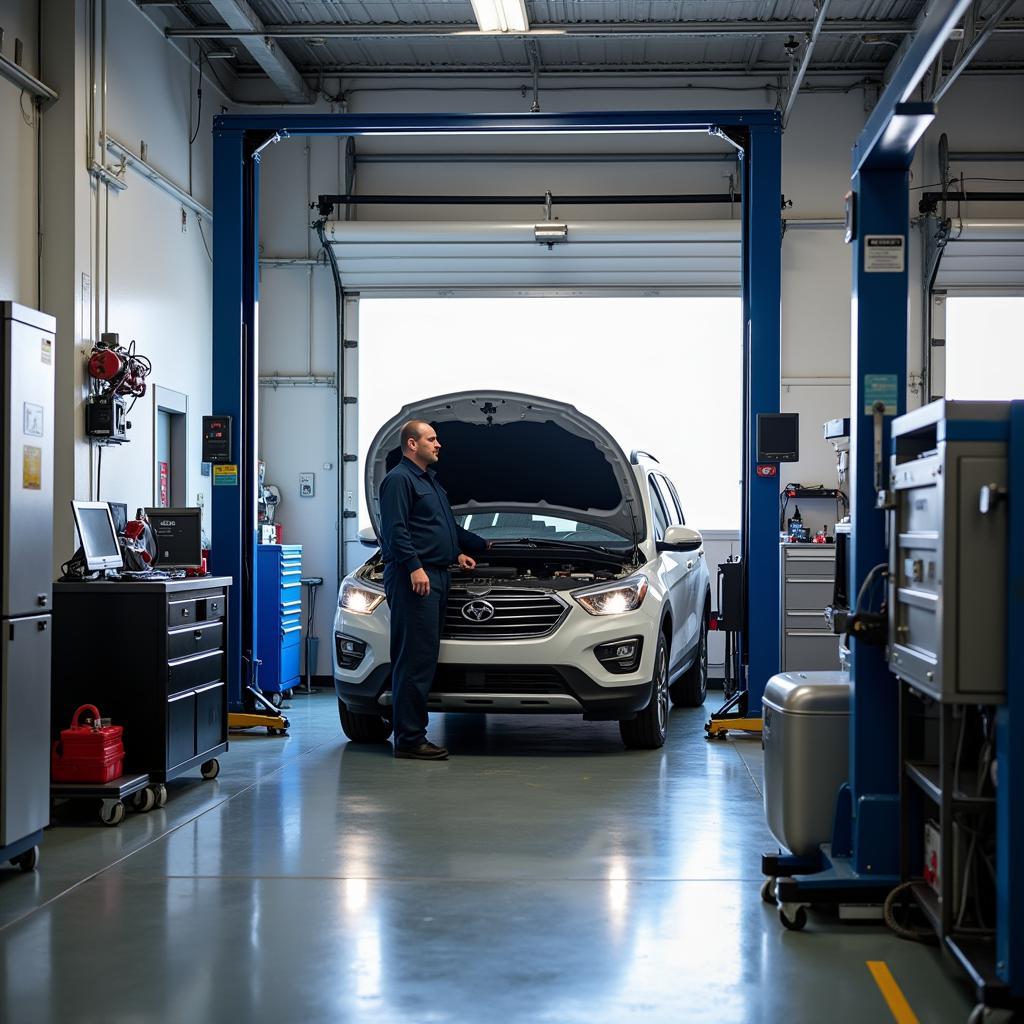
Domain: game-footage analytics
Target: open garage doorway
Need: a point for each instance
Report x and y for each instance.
(662, 374)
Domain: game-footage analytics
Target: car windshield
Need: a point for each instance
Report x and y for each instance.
(526, 525)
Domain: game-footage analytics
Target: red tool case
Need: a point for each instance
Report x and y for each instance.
(88, 753)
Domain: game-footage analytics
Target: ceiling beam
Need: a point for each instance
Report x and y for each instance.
(632, 30)
(247, 27)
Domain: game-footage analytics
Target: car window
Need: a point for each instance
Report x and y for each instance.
(537, 526)
(661, 485)
(667, 485)
(658, 510)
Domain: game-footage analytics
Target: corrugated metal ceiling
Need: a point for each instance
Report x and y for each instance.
(581, 36)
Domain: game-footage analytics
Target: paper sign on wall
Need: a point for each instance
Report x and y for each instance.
(881, 387)
(225, 474)
(884, 254)
(31, 467)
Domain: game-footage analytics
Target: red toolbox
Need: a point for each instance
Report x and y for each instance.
(88, 753)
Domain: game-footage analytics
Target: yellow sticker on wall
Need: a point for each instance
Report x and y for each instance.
(225, 474)
(31, 467)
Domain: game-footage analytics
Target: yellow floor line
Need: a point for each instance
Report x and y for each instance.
(893, 994)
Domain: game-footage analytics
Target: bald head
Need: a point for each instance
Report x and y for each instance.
(419, 443)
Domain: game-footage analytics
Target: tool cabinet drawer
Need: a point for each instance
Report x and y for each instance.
(188, 640)
(809, 563)
(195, 670)
(181, 613)
(808, 594)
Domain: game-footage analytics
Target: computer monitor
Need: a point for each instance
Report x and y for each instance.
(96, 532)
(778, 437)
(179, 537)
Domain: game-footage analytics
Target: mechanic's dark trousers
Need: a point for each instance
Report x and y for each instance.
(415, 643)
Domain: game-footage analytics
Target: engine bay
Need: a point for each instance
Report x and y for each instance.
(545, 570)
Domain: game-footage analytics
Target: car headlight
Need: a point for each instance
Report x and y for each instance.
(359, 599)
(613, 598)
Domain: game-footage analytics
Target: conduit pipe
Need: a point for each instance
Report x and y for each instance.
(812, 40)
(23, 80)
(148, 171)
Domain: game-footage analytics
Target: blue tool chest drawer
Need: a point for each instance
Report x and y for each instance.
(278, 615)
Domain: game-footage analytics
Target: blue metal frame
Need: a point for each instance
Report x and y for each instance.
(237, 139)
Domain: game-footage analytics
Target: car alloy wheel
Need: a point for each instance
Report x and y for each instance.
(661, 675)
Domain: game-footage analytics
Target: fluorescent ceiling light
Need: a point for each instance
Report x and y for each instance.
(501, 15)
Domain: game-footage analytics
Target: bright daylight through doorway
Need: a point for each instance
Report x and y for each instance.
(661, 374)
(985, 347)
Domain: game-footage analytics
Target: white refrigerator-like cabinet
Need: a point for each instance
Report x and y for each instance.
(26, 575)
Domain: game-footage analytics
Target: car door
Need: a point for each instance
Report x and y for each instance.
(684, 598)
(693, 561)
(674, 572)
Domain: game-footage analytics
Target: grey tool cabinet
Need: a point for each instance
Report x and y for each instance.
(807, 576)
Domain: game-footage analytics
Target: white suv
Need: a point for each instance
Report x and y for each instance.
(593, 599)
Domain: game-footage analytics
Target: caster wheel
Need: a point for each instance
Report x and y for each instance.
(768, 891)
(797, 922)
(160, 792)
(27, 861)
(276, 732)
(112, 812)
(982, 1014)
(276, 699)
(144, 800)
(210, 769)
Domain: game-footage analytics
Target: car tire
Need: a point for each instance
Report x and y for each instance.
(690, 689)
(648, 729)
(363, 728)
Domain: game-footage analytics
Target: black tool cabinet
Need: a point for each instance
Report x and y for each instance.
(151, 656)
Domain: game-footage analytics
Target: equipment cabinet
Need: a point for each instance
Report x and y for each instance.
(151, 656)
(278, 615)
(808, 575)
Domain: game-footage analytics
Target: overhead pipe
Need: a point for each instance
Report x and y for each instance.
(988, 157)
(147, 170)
(812, 41)
(23, 80)
(545, 158)
(991, 24)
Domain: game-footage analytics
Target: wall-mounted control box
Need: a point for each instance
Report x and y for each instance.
(216, 439)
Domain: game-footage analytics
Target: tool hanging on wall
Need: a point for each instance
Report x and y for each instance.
(116, 373)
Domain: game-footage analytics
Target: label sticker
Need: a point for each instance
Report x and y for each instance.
(32, 419)
(225, 475)
(31, 468)
(881, 387)
(884, 254)
(46, 351)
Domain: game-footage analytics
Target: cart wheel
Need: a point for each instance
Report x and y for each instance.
(144, 800)
(27, 861)
(768, 891)
(276, 699)
(112, 812)
(160, 792)
(982, 1014)
(210, 769)
(271, 730)
(796, 922)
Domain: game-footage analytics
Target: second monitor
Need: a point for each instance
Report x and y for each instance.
(179, 537)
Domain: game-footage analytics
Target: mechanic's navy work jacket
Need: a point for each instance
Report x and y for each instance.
(417, 523)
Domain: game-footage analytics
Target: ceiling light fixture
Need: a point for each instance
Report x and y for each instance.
(220, 54)
(550, 232)
(501, 15)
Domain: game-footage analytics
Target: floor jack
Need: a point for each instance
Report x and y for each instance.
(733, 715)
(269, 718)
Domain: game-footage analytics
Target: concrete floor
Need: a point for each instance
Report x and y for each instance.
(543, 874)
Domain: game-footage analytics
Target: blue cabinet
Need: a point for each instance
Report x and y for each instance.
(278, 615)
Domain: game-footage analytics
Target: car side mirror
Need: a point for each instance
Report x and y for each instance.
(681, 538)
(368, 537)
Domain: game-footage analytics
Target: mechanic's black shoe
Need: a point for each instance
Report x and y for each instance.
(426, 751)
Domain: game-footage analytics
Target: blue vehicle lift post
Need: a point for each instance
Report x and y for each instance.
(238, 140)
(862, 862)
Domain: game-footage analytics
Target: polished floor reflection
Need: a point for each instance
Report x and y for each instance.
(542, 874)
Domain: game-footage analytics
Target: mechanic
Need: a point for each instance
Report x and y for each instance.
(420, 539)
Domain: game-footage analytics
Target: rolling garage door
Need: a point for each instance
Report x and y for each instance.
(652, 256)
(985, 258)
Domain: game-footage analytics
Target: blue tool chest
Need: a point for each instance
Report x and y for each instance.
(278, 615)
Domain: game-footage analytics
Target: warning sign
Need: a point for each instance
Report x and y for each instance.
(225, 474)
(31, 467)
(884, 254)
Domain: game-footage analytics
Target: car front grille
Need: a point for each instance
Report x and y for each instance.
(512, 615)
(503, 679)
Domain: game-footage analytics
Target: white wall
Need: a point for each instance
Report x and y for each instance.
(132, 254)
(19, 19)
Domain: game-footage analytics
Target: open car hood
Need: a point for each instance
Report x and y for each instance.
(503, 451)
